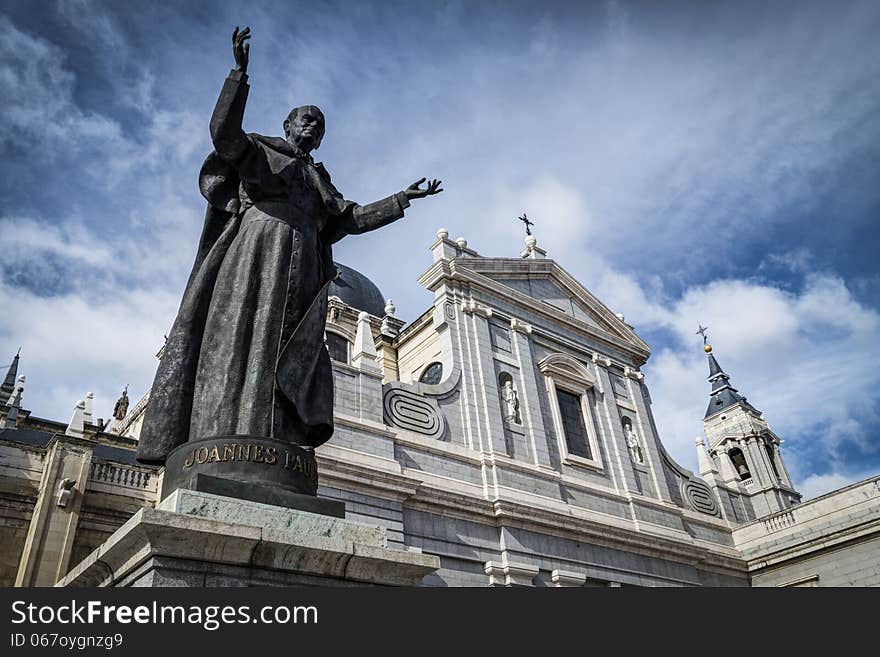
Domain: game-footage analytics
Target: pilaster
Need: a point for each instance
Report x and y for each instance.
(532, 418)
(493, 423)
(46, 554)
(618, 452)
(652, 453)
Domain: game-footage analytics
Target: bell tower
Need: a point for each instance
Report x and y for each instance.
(743, 446)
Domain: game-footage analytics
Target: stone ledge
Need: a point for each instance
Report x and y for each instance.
(216, 531)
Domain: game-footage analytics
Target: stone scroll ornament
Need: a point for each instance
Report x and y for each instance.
(244, 389)
(411, 411)
(699, 497)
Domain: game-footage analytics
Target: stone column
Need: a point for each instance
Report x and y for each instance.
(46, 554)
(781, 465)
(762, 475)
(728, 473)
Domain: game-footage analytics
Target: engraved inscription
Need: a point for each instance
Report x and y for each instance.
(252, 453)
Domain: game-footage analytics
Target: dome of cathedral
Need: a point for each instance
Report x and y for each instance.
(357, 291)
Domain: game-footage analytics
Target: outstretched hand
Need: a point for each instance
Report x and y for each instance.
(241, 49)
(413, 191)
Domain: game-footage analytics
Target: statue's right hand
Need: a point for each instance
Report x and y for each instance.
(241, 49)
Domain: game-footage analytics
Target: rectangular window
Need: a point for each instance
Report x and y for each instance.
(338, 347)
(572, 416)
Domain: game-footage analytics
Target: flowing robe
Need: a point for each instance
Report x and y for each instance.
(246, 353)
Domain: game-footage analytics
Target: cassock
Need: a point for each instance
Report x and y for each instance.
(246, 353)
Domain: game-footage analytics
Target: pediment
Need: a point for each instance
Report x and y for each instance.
(548, 285)
(551, 293)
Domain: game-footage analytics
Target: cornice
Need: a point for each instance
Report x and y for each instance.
(449, 497)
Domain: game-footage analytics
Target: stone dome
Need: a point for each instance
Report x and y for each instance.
(357, 291)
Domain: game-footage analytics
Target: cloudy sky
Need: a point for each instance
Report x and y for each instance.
(713, 162)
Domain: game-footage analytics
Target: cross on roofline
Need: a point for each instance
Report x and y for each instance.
(529, 224)
(701, 330)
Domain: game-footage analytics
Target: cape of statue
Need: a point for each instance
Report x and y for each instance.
(246, 353)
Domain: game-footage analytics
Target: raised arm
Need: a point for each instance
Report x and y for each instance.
(229, 139)
(353, 219)
(365, 218)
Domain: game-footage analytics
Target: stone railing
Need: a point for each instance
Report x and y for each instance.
(117, 474)
(832, 512)
(779, 521)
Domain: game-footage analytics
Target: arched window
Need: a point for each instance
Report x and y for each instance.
(569, 387)
(337, 345)
(739, 463)
(432, 374)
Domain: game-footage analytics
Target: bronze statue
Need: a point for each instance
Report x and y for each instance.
(246, 354)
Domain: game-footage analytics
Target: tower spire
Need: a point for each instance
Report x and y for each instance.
(743, 447)
(723, 394)
(8, 387)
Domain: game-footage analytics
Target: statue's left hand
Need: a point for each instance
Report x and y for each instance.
(413, 191)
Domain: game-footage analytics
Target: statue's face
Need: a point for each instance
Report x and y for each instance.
(305, 127)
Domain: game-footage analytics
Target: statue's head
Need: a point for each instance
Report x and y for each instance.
(304, 127)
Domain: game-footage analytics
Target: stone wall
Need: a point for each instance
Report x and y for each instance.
(832, 540)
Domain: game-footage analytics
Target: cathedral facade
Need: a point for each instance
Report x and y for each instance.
(507, 431)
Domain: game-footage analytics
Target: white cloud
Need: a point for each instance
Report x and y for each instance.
(25, 237)
(816, 485)
(806, 359)
(73, 344)
(43, 111)
(637, 153)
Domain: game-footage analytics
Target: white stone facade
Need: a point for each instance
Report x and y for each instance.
(507, 431)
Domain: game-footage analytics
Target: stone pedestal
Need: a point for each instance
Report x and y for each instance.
(262, 462)
(199, 539)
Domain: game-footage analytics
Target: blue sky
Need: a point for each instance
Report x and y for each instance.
(688, 162)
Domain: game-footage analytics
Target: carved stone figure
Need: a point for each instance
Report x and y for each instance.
(246, 354)
(65, 491)
(121, 408)
(511, 400)
(17, 391)
(632, 442)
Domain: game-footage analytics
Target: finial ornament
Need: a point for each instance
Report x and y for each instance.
(701, 330)
(529, 224)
